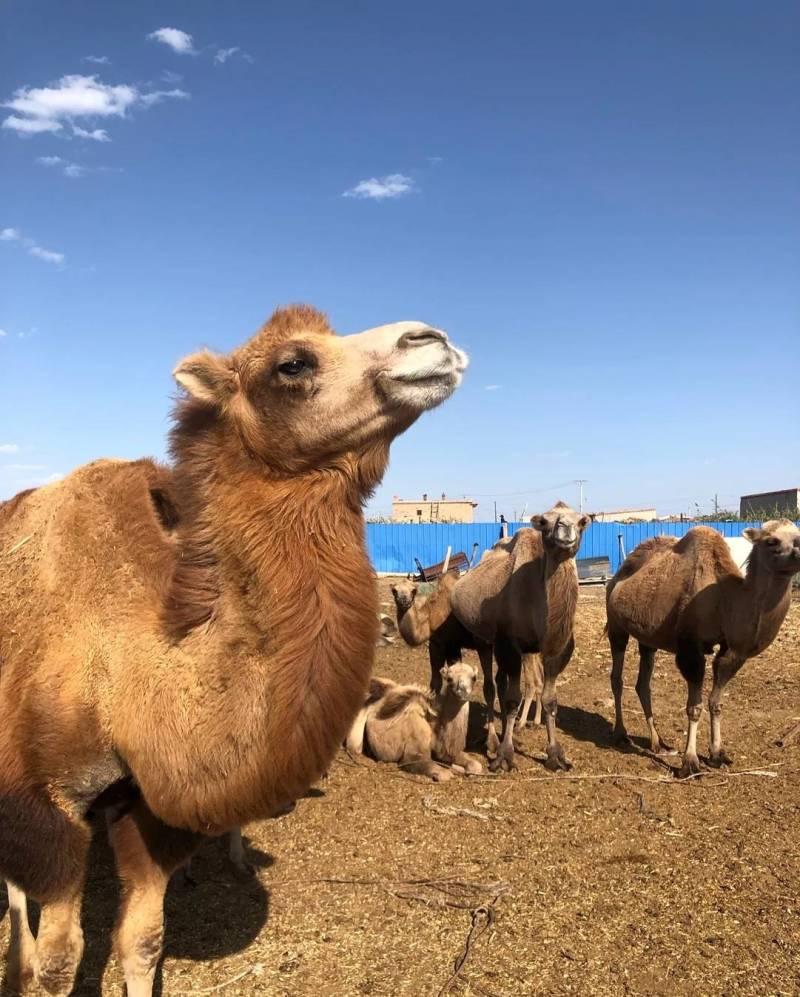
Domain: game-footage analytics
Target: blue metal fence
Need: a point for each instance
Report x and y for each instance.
(393, 546)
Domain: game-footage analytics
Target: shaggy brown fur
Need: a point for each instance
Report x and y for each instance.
(407, 725)
(522, 598)
(208, 630)
(687, 597)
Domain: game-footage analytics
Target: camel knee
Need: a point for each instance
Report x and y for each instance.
(694, 712)
(714, 707)
(56, 965)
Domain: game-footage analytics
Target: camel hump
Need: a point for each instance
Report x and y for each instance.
(401, 699)
(708, 545)
(641, 554)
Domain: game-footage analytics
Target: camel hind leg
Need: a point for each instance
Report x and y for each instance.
(618, 640)
(647, 660)
(147, 852)
(509, 665)
(692, 664)
(21, 945)
(486, 656)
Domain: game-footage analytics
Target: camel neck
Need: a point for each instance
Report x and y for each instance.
(763, 592)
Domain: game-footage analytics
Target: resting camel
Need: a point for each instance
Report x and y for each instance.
(522, 597)
(198, 637)
(687, 597)
(410, 726)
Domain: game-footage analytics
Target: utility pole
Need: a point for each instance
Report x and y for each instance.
(495, 510)
(716, 504)
(580, 482)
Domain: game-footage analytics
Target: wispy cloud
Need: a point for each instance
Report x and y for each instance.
(9, 447)
(3, 333)
(179, 41)
(157, 96)
(169, 77)
(492, 387)
(96, 134)
(72, 170)
(223, 54)
(98, 60)
(25, 467)
(47, 109)
(435, 160)
(381, 188)
(14, 235)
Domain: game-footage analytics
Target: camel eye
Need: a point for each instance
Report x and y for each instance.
(293, 368)
(773, 541)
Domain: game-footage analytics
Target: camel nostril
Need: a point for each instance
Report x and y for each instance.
(421, 337)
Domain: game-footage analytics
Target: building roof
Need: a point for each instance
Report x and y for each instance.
(772, 491)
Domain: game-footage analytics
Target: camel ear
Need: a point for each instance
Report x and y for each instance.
(206, 377)
(539, 523)
(754, 534)
(583, 522)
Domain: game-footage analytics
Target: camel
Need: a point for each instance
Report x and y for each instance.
(408, 725)
(430, 618)
(387, 630)
(199, 637)
(687, 596)
(521, 597)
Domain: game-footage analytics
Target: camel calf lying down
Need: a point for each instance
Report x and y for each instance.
(688, 596)
(404, 724)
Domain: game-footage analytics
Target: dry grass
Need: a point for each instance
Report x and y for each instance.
(382, 883)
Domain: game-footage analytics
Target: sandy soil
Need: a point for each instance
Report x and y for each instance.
(612, 879)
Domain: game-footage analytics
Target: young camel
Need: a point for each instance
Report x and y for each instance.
(406, 725)
(687, 597)
(522, 598)
(430, 618)
(202, 634)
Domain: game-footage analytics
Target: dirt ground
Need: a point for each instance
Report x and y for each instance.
(611, 879)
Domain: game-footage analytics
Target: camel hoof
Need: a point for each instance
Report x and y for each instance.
(556, 759)
(662, 748)
(720, 759)
(620, 737)
(503, 763)
(442, 775)
(691, 766)
(243, 871)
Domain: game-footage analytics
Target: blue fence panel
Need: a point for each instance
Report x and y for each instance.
(393, 546)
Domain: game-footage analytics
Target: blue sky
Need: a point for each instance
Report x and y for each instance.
(599, 201)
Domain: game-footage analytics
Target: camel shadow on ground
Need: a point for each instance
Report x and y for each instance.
(216, 917)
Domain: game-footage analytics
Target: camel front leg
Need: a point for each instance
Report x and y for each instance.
(692, 664)
(147, 852)
(647, 659)
(509, 665)
(59, 943)
(554, 665)
(726, 665)
(21, 945)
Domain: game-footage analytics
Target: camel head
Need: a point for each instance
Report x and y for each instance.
(561, 528)
(404, 593)
(459, 679)
(776, 545)
(299, 397)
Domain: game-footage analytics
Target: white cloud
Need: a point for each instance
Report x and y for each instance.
(169, 77)
(492, 387)
(46, 254)
(75, 171)
(3, 333)
(97, 134)
(25, 467)
(49, 160)
(223, 54)
(179, 41)
(72, 170)
(9, 447)
(45, 109)
(148, 99)
(10, 234)
(378, 189)
(435, 160)
(99, 60)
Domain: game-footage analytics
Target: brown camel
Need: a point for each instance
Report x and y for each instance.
(203, 635)
(521, 597)
(430, 618)
(410, 726)
(687, 597)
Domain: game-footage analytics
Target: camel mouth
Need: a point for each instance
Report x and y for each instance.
(425, 376)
